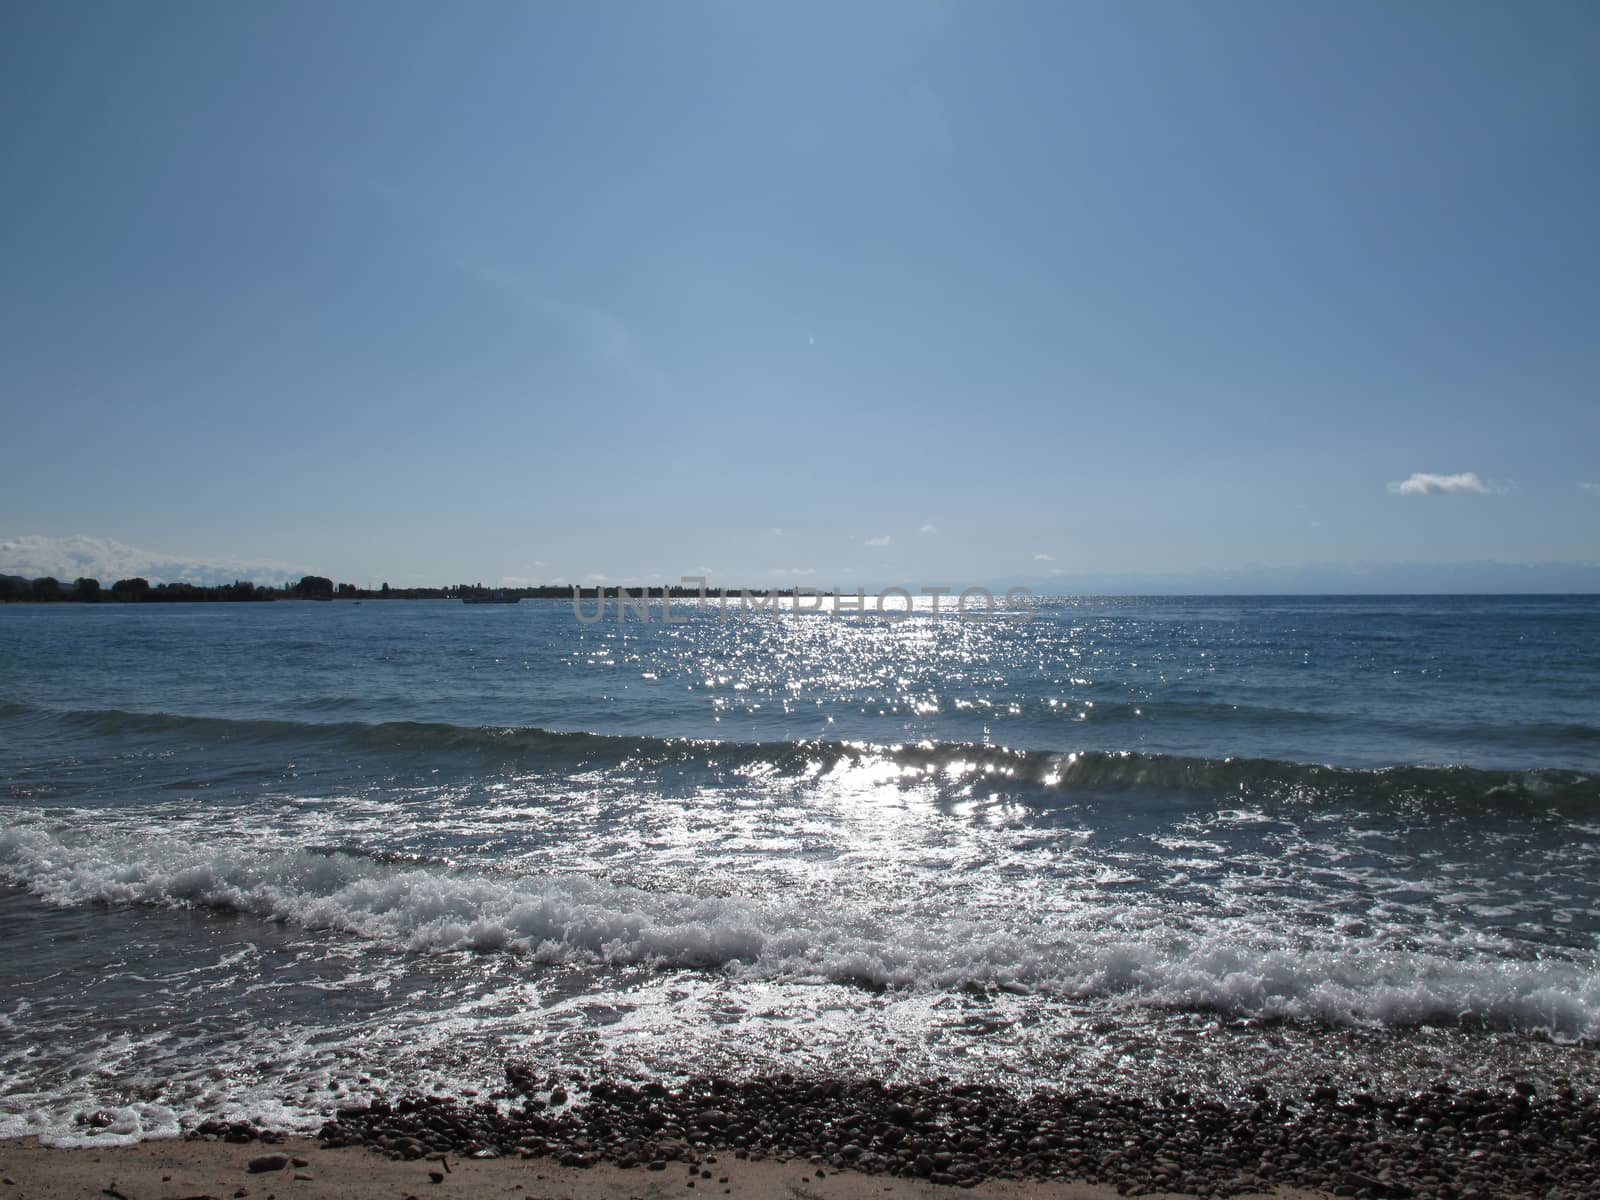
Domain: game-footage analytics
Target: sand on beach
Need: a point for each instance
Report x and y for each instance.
(177, 1169)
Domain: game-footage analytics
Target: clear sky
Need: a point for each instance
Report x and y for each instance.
(870, 291)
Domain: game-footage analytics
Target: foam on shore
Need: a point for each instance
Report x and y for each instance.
(1243, 968)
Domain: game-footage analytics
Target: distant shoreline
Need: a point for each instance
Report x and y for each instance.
(734, 594)
(14, 589)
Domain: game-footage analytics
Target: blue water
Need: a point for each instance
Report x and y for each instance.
(252, 853)
(1488, 681)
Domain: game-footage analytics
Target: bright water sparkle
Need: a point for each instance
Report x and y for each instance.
(256, 850)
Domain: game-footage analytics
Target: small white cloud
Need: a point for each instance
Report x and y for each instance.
(885, 540)
(596, 577)
(775, 531)
(792, 571)
(526, 578)
(1044, 558)
(1423, 483)
(1590, 487)
(928, 529)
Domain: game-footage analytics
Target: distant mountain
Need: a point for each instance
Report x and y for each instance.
(107, 560)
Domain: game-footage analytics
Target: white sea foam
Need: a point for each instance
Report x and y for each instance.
(123, 1126)
(1123, 949)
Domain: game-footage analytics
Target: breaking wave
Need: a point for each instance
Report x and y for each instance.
(1255, 970)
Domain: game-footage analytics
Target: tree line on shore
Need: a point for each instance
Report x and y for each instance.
(47, 589)
(15, 589)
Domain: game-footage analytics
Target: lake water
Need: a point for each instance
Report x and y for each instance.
(255, 859)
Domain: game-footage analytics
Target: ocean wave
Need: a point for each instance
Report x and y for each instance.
(1246, 969)
(949, 764)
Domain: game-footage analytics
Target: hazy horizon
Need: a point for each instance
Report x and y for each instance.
(67, 559)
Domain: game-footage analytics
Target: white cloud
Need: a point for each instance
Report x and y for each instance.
(1044, 558)
(792, 571)
(885, 540)
(527, 578)
(776, 531)
(929, 528)
(1590, 487)
(107, 560)
(1423, 483)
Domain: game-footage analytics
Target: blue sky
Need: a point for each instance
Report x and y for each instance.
(825, 293)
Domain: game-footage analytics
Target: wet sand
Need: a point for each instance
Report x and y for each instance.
(186, 1169)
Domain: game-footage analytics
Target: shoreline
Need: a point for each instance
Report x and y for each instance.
(188, 1169)
(784, 1135)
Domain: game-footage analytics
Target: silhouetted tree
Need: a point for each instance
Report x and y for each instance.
(88, 589)
(47, 588)
(136, 588)
(314, 587)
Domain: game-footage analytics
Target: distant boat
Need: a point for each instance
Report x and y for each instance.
(491, 598)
